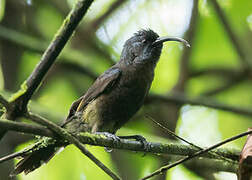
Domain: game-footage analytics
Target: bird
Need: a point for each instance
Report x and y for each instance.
(114, 97)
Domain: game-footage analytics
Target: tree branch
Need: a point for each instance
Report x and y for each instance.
(167, 167)
(69, 56)
(226, 86)
(231, 34)
(20, 100)
(100, 140)
(71, 139)
(232, 76)
(53, 50)
(97, 22)
(179, 99)
(229, 73)
(184, 140)
(184, 60)
(78, 68)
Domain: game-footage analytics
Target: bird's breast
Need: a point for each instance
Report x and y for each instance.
(112, 109)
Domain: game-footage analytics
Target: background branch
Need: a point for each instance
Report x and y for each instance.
(98, 22)
(21, 99)
(69, 56)
(53, 50)
(235, 40)
(180, 99)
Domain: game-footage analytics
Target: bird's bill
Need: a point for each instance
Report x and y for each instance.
(166, 38)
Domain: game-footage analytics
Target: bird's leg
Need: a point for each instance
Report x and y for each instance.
(109, 135)
(115, 138)
(139, 138)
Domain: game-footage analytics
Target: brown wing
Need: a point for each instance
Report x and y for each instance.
(102, 84)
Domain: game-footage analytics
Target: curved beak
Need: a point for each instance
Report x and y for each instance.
(166, 38)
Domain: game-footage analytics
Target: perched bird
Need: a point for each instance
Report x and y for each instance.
(111, 101)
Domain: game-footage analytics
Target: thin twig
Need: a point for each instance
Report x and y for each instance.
(234, 79)
(229, 73)
(92, 40)
(218, 156)
(225, 86)
(231, 34)
(14, 155)
(97, 22)
(171, 133)
(167, 167)
(78, 144)
(185, 58)
(178, 98)
(70, 138)
(98, 140)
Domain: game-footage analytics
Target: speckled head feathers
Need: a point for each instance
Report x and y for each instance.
(148, 34)
(139, 48)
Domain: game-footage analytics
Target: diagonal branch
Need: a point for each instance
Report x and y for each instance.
(71, 139)
(184, 140)
(53, 50)
(231, 34)
(228, 73)
(232, 76)
(179, 99)
(185, 58)
(226, 86)
(20, 100)
(97, 22)
(19, 103)
(167, 167)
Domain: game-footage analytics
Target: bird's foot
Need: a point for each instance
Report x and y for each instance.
(115, 138)
(145, 143)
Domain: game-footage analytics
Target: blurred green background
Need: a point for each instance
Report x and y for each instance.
(217, 66)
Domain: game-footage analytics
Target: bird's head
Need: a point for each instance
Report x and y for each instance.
(145, 46)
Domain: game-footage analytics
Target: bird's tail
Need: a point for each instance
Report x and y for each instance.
(37, 155)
